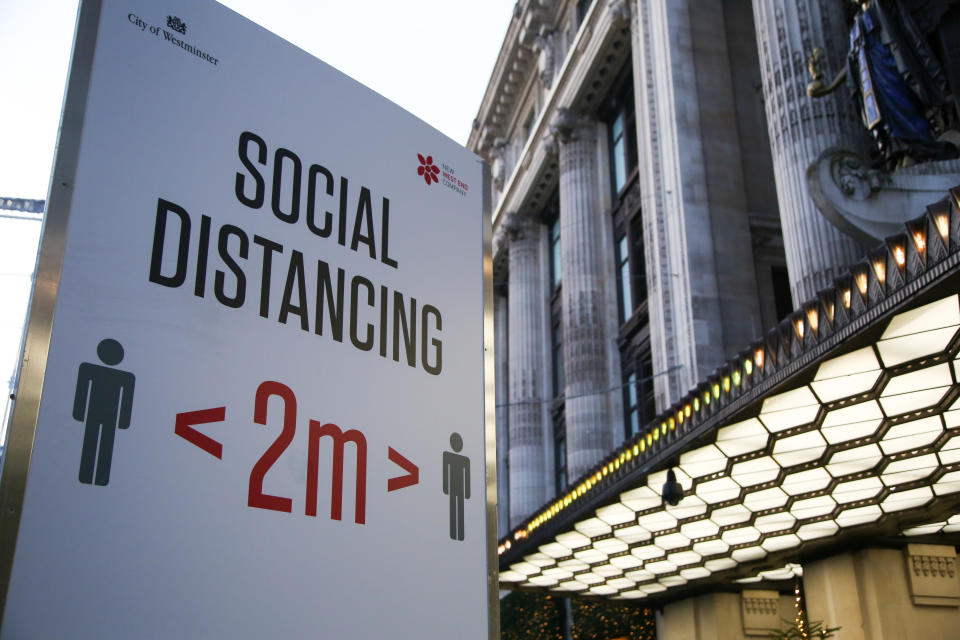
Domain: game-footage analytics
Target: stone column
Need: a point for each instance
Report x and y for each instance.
(526, 344)
(502, 372)
(801, 128)
(586, 410)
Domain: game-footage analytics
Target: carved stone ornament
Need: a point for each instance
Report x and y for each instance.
(544, 44)
(761, 612)
(932, 574)
(498, 168)
(517, 226)
(619, 11)
(568, 125)
(868, 204)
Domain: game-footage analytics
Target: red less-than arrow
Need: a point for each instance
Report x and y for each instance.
(184, 428)
(413, 471)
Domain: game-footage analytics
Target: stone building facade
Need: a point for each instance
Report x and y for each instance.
(660, 201)
(652, 210)
(638, 237)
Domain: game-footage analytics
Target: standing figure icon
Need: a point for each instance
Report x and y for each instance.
(456, 484)
(104, 403)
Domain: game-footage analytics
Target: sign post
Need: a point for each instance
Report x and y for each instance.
(253, 397)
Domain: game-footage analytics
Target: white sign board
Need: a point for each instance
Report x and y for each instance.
(263, 406)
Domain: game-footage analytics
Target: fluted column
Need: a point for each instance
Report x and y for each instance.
(586, 411)
(526, 344)
(502, 372)
(801, 128)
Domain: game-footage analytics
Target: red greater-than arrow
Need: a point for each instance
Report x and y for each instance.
(413, 471)
(184, 428)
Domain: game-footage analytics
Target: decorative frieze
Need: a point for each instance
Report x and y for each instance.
(761, 612)
(932, 573)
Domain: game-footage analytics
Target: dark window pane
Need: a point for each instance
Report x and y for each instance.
(557, 354)
(556, 267)
(559, 455)
(638, 260)
(781, 292)
(623, 262)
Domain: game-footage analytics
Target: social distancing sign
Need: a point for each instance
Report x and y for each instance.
(262, 410)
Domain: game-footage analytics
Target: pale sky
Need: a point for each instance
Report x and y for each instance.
(432, 58)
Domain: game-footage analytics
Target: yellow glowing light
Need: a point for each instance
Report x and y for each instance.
(671, 423)
(830, 311)
(798, 325)
(656, 435)
(920, 239)
(862, 283)
(736, 378)
(899, 255)
(629, 454)
(636, 450)
(643, 445)
(687, 410)
(726, 384)
(880, 268)
(604, 471)
(706, 397)
(813, 318)
(616, 463)
(846, 298)
(758, 357)
(748, 367)
(943, 226)
(680, 417)
(716, 390)
(696, 404)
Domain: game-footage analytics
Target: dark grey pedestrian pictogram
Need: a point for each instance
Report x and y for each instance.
(456, 484)
(104, 403)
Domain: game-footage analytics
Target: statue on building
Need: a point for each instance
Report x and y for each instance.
(903, 71)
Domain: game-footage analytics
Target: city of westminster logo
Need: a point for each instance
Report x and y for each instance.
(177, 25)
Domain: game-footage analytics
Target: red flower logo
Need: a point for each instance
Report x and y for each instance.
(427, 169)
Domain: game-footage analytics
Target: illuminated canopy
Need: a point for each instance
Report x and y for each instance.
(843, 422)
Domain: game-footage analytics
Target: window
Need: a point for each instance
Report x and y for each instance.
(622, 128)
(528, 124)
(559, 455)
(556, 346)
(639, 401)
(623, 278)
(582, 7)
(631, 269)
(556, 269)
(782, 299)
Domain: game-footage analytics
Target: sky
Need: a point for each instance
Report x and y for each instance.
(433, 59)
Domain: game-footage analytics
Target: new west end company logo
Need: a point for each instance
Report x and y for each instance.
(174, 26)
(444, 174)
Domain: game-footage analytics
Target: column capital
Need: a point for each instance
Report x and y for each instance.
(619, 11)
(518, 226)
(568, 125)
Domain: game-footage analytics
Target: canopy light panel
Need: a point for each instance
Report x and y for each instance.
(875, 435)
